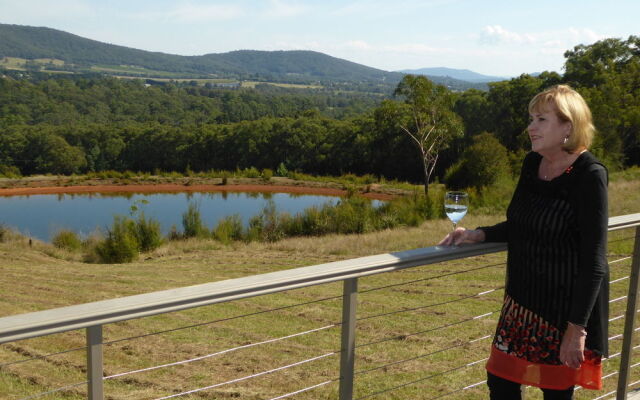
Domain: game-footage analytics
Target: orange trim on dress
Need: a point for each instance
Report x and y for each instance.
(557, 377)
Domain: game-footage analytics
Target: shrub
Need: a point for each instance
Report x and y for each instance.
(368, 179)
(67, 240)
(282, 170)
(10, 171)
(192, 222)
(173, 233)
(267, 174)
(251, 172)
(481, 165)
(229, 229)
(271, 227)
(121, 244)
(148, 233)
(5, 233)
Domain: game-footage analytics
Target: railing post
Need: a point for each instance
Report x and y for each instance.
(630, 321)
(348, 350)
(94, 363)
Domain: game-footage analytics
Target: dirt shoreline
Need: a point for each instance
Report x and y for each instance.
(177, 188)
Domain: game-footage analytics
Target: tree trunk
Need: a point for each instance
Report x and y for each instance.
(425, 168)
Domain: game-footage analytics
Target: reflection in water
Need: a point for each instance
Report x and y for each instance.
(41, 216)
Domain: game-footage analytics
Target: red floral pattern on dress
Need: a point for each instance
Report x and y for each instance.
(523, 334)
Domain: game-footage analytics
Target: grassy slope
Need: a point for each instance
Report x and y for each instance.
(41, 277)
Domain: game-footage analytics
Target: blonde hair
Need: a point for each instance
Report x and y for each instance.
(569, 106)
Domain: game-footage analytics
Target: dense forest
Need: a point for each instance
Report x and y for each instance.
(79, 124)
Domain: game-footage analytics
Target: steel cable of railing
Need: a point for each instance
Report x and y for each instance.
(40, 357)
(617, 299)
(196, 359)
(430, 305)
(612, 374)
(246, 346)
(423, 379)
(110, 342)
(35, 396)
(222, 320)
(331, 326)
(621, 239)
(284, 396)
(619, 354)
(302, 333)
(428, 330)
(431, 278)
(459, 390)
(619, 279)
(283, 338)
(621, 335)
(290, 306)
(366, 371)
(244, 378)
(619, 260)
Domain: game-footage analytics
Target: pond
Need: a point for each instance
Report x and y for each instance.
(41, 216)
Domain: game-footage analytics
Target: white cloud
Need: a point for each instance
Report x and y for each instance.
(584, 35)
(561, 39)
(495, 34)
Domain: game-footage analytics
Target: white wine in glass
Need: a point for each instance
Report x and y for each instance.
(456, 205)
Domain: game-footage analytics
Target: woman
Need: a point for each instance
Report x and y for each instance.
(552, 331)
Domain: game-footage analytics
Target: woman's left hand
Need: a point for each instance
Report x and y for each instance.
(572, 346)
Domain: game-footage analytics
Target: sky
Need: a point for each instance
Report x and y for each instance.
(492, 37)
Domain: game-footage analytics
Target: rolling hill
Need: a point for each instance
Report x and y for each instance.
(51, 50)
(79, 53)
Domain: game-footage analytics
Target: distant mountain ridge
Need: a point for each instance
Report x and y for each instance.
(42, 43)
(298, 66)
(461, 74)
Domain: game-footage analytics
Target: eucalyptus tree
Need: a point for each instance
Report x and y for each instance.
(427, 118)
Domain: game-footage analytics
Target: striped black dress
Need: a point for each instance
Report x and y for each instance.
(556, 273)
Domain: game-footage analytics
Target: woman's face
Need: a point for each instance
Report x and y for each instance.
(546, 131)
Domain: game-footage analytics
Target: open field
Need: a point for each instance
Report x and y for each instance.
(42, 277)
(136, 72)
(20, 63)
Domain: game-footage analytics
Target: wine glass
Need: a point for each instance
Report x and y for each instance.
(456, 205)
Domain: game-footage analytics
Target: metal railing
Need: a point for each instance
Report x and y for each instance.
(93, 316)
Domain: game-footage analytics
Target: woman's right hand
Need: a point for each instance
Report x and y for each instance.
(462, 235)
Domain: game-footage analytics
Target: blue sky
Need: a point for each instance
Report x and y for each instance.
(493, 37)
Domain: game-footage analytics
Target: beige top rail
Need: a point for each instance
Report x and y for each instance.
(24, 326)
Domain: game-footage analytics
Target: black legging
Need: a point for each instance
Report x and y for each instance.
(502, 389)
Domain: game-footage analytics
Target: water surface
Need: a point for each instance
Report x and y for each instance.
(41, 216)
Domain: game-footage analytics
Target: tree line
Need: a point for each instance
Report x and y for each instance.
(68, 125)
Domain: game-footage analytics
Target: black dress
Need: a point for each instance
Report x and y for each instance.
(556, 273)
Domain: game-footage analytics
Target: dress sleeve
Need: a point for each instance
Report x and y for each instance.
(593, 220)
(495, 233)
